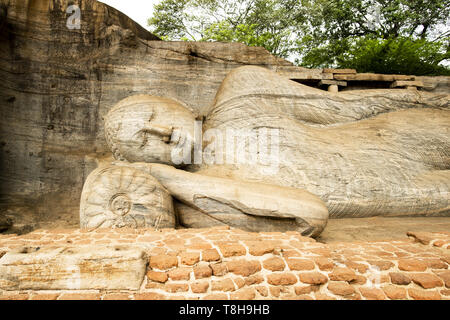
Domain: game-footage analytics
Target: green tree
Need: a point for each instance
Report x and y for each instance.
(267, 23)
(388, 36)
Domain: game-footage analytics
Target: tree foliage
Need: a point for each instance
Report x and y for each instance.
(388, 36)
(267, 23)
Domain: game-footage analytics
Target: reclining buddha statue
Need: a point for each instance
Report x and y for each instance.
(272, 155)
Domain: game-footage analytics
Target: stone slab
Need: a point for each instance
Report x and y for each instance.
(299, 73)
(332, 82)
(400, 84)
(340, 71)
(372, 77)
(72, 268)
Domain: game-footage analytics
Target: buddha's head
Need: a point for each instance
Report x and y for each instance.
(150, 129)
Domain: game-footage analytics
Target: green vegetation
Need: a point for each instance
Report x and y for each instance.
(383, 36)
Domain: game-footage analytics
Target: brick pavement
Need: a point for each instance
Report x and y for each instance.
(224, 263)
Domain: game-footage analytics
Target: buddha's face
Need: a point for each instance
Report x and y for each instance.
(147, 129)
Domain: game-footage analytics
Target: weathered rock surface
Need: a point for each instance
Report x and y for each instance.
(435, 84)
(365, 153)
(5, 223)
(59, 83)
(73, 268)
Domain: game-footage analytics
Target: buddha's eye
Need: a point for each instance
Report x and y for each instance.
(164, 132)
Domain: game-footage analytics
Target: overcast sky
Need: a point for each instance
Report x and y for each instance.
(138, 10)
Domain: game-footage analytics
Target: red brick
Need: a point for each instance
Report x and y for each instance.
(149, 296)
(381, 264)
(260, 248)
(175, 298)
(412, 265)
(116, 296)
(262, 290)
(202, 272)
(277, 291)
(324, 252)
(290, 254)
(156, 251)
(240, 282)
(199, 246)
(340, 288)
(445, 275)
(283, 279)
(401, 254)
(342, 274)
(45, 296)
(199, 287)
(436, 264)
(419, 294)
(313, 278)
(383, 254)
(324, 264)
(300, 264)
(427, 280)
(372, 293)
(411, 248)
(223, 285)
(80, 296)
(148, 238)
(232, 250)
(383, 278)
(210, 255)
(394, 292)
(244, 294)
(180, 274)
(154, 285)
(243, 268)
(359, 280)
(321, 296)
(157, 276)
(254, 279)
(274, 264)
(399, 278)
(189, 258)
(177, 287)
(300, 297)
(361, 268)
(163, 262)
(217, 296)
(219, 269)
(305, 289)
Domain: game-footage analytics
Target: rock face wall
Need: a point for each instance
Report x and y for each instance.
(59, 83)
